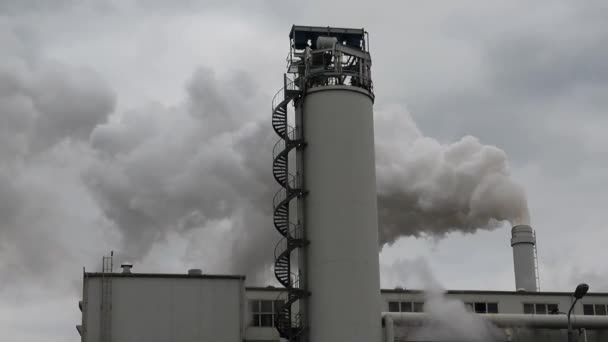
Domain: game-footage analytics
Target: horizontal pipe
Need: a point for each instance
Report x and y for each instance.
(514, 320)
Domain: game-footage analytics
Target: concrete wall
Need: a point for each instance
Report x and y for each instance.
(161, 309)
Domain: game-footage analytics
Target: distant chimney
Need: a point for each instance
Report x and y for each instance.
(523, 242)
(195, 271)
(126, 267)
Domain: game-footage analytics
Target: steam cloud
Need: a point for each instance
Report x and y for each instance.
(199, 169)
(47, 111)
(425, 187)
(193, 167)
(448, 319)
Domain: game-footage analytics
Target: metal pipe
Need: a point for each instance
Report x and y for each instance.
(389, 329)
(514, 320)
(584, 331)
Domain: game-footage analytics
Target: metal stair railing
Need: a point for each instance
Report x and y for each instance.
(279, 97)
(284, 193)
(290, 189)
(283, 143)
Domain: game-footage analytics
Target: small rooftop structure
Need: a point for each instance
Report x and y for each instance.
(301, 35)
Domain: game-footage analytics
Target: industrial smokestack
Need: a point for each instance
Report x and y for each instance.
(523, 242)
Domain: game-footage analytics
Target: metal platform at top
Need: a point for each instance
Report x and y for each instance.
(301, 35)
(329, 56)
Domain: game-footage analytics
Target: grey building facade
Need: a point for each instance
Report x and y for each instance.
(197, 307)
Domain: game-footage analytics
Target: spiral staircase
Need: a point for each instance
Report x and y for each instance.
(287, 323)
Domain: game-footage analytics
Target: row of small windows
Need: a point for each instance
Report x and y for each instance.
(595, 309)
(482, 307)
(541, 309)
(263, 312)
(405, 306)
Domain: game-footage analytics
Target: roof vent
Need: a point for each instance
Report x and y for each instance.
(195, 272)
(126, 267)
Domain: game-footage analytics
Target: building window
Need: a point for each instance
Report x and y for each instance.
(541, 308)
(263, 312)
(405, 306)
(482, 307)
(595, 309)
(552, 309)
(393, 307)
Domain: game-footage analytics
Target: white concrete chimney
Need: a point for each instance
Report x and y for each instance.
(523, 242)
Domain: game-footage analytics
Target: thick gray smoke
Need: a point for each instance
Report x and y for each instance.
(425, 187)
(47, 111)
(189, 168)
(204, 166)
(71, 168)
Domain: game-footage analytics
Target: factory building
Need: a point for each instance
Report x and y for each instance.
(129, 306)
(326, 258)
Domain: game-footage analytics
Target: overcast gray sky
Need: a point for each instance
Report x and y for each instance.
(144, 127)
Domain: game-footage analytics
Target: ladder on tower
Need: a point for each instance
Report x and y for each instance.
(105, 332)
(536, 268)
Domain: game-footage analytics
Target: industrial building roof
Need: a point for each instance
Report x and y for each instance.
(459, 292)
(164, 275)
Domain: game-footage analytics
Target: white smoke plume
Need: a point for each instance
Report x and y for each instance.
(70, 166)
(448, 319)
(425, 187)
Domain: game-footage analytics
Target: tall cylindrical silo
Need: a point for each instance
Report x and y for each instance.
(341, 215)
(325, 208)
(523, 242)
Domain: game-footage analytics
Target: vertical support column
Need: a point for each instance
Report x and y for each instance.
(301, 221)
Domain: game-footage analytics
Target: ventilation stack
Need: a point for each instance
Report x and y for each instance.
(523, 242)
(326, 207)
